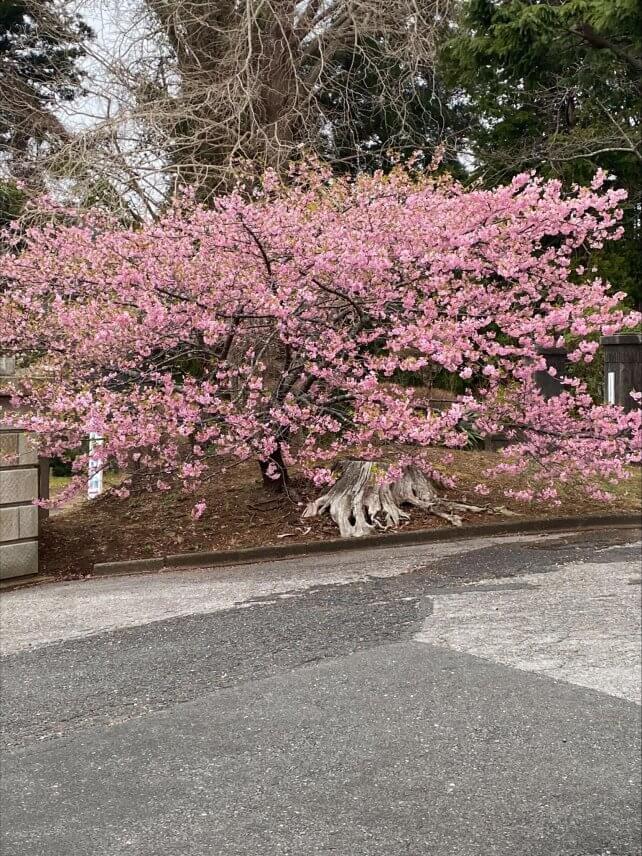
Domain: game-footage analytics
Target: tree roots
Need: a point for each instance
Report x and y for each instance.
(359, 505)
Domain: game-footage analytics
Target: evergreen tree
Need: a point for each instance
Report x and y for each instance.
(556, 87)
(39, 51)
(366, 131)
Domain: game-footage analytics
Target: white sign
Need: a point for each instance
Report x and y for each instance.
(95, 483)
(610, 388)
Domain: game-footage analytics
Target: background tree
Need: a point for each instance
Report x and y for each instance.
(196, 92)
(367, 131)
(12, 200)
(556, 87)
(40, 47)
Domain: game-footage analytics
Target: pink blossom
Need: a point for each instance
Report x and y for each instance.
(199, 510)
(280, 323)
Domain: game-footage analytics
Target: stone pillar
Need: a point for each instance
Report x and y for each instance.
(548, 385)
(622, 368)
(7, 366)
(18, 489)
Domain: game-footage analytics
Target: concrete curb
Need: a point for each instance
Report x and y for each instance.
(339, 545)
(25, 582)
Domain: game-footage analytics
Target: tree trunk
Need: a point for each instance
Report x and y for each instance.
(359, 505)
(278, 482)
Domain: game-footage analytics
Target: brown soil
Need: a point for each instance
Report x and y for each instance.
(242, 514)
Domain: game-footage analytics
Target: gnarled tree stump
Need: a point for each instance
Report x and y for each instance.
(359, 505)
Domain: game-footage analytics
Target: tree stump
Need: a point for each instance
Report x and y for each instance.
(359, 504)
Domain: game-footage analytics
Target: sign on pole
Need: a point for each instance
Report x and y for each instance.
(95, 483)
(610, 387)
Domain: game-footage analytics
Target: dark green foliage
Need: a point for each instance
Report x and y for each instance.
(60, 467)
(556, 87)
(39, 53)
(12, 200)
(368, 130)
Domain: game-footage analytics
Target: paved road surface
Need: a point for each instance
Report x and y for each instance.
(445, 700)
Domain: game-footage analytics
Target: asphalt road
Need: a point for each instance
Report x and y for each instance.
(468, 699)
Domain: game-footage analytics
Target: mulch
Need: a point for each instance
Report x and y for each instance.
(241, 513)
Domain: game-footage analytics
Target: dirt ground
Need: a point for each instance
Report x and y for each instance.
(241, 514)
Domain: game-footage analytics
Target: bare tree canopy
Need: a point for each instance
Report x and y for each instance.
(259, 79)
(192, 90)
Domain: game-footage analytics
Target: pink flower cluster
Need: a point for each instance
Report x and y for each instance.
(279, 323)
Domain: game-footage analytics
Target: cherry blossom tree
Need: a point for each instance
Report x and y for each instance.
(273, 326)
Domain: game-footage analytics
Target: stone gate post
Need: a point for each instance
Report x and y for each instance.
(19, 486)
(622, 368)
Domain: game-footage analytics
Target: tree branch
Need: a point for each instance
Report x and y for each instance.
(600, 42)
